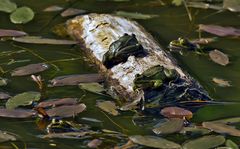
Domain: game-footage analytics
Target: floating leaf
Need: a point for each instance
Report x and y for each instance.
(229, 120)
(76, 79)
(196, 130)
(220, 30)
(232, 5)
(177, 2)
(6, 136)
(108, 106)
(30, 69)
(231, 144)
(23, 99)
(92, 87)
(204, 41)
(53, 8)
(221, 128)
(40, 40)
(133, 15)
(7, 6)
(11, 33)
(94, 143)
(4, 96)
(66, 111)
(3, 81)
(172, 126)
(205, 142)
(58, 102)
(67, 135)
(221, 82)
(176, 112)
(155, 142)
(22, 15)
(16, 113)
(91, 119)
(219, 57)
(72, 12)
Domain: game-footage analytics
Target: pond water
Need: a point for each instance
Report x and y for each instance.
(172, 23)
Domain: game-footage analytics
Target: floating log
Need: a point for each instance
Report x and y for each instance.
(96, 32)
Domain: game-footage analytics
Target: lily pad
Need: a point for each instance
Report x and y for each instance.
(3, 81)
(155, 142)
(195, 130)
(133, 15)
(30, 69)
(221, 128)
(66, 111)
(22, 15)
(76, 79)
(172, 126)
(109, 107)
(58, 102)
(16, 113)
(5, 136)
(40, 40)
(7, 6)
(74, 135)
(176, 112)
(23, 99)
(11, 33)
(205, 142)
(219, 57)
(92, 87)
(221, 82)
(4, 96)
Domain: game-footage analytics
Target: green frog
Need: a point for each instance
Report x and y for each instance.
(154, 77)
(121, 49)
(182, 44)
(59, 126)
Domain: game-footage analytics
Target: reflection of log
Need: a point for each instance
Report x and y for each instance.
(97, 31)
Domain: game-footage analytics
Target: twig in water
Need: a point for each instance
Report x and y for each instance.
(187, 9)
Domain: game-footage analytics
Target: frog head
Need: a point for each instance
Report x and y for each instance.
(182, 44)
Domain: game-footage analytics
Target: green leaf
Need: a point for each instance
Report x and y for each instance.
(7, 6)
(109, 107)
(22, 15)
(5, 136)
(23, 99)
(155, 142)
(177, 2)
(92, 87)
(133, 15)
(231, 144)
(3, 81)
(205, 142)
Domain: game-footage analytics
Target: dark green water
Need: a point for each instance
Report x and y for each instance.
(171, 23)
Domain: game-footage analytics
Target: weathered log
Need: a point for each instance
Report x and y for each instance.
(96, 32)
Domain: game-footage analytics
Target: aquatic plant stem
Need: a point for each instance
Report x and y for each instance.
(187, 9)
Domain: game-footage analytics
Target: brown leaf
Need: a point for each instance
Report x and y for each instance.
(219, 57)
(16, 113)
(29, 69)
(219, 30)
(176, 112)
(11, 33)
(58, 102)
(72, 12)
(66, 111)
(109, 107)
(94, 143)
(221, 82)
(4, 96)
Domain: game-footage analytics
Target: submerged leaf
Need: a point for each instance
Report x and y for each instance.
(53, 8)
(108, 106)
(23, 99)
(92, 87)
(172, 126)
(133, 15)
(205, 142)
(30, 69)
(221, 82)
(16, 113)
(220, 30)
(72, 12)
(176, 112)
(66, 111)
(58, 102)
(40, 40)
(4, 96)
(155, 142)
(7, 6)
(195, 130)
(11, 33)
(22, 15)
(219, 57)
(76, 79)
(221, 128)
(5, 136)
